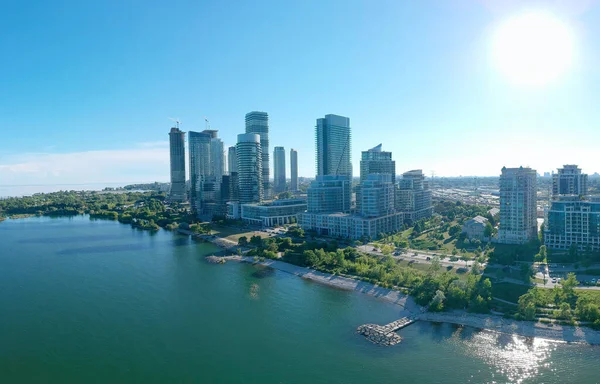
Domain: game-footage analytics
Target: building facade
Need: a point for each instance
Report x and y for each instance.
(276, 212)
(570, 220)
(217, 158)
(199, 153)
(177, 192)
(350, 226)
(333, 139)
(258, 122)
(569, 181)
(475, 228)
(250, 168)
(376, 197)
(293, 170)
(231, 160)
(279, 169)
(330, 194)
(413, 196)
(518, 206)
(376, 161)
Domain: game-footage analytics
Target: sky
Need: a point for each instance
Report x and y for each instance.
(87, 88)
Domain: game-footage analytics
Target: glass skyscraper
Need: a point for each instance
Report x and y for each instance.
(250, 173)
(177, 157)
(293, 169)
(279, 169)
(333, 140)
(258, 122)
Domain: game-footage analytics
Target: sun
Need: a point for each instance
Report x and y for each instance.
(533, 48)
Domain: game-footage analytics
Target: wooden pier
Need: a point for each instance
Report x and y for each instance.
(385, 334)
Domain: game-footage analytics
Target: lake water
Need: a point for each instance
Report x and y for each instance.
(91, 301)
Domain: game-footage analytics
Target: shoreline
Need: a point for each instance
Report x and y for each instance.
(494, 323)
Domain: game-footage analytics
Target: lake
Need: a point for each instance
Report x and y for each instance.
(94, 301)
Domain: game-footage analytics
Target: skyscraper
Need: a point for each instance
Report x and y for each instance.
(293, 170)
(177, 157)
(333, 146)
(232, 160)
(250, 168)
(258, 122)
(569, 181)
(279, 169)
(518, 205)
(217, 158)
(199, 150)
(376, 161)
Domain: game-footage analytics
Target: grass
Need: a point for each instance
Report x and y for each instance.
(234, 233)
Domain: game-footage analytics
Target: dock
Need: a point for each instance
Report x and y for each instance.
(385, 334)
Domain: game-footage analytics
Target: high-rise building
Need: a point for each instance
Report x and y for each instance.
(199, 151)
(333, 139)
(573, 221)
(413, 196)
(293, 170)
(376, 196)
(569, 181)
(250, 169)
(232, 160)
(329, 194)
(279, 169)
(217, 158)
(258, 122)
(518, 205)
(376, 161)
(177, 157)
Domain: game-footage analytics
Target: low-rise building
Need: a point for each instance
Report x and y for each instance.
(272, 213)
(475, 228)
(350, 226)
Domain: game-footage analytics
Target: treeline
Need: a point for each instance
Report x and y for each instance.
(564, 303)
(144, 210)
(439, 289)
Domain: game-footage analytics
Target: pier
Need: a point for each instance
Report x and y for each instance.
(385, 334)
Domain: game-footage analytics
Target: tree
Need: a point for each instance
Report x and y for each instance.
(454, 230)
(435, 265)
(586, 310)
(243, 241)
(564, 312)
(526, 272)
(488, 230)
(437, 303)
(568, 287)
(256, 241)
(526, 306)
(284, 195)
(476, 268)
(573, 252)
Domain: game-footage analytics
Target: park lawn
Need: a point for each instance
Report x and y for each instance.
(234, 233)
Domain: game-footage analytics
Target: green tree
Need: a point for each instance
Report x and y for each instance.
(564, 312)
(488, 230)
(454, 230)
(243, 241)
(435, 265)
(437, 303)
(256, 241)
(568, 288)
(526, 307)
(586, 310)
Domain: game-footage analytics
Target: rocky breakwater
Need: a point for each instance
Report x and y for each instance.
(379, 335)
(215, 259)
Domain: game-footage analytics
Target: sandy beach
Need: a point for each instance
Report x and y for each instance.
(489, 322)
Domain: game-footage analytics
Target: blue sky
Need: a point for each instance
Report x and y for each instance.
(87, 87)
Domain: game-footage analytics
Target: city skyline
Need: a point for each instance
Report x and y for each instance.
(86, 91)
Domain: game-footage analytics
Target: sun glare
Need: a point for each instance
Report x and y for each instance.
(533, 49)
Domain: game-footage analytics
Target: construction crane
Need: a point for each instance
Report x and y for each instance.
(176, 120)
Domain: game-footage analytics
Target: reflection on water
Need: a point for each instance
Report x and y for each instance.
(515, 357)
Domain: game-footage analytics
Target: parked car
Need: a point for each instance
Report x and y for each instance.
(554, 280)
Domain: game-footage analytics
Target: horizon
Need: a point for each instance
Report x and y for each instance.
(91, 87)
